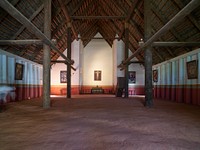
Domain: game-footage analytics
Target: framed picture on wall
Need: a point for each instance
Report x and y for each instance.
(155, 75)
(132, 77)
(19, 69)
(63, 76)
(192, 69)
(97, 75)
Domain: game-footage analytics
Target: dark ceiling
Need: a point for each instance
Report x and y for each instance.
(108, 17)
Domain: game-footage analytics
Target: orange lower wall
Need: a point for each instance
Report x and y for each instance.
(189, 94)
(61, 90)
(75, 89)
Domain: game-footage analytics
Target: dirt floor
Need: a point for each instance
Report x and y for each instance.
(99, 122)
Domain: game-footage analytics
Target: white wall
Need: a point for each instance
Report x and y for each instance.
(174, 71)
(32, 72)
(30, 86)
(118, 54)
(118, 57)
(97, 55)
(140, 73)
(56, 68)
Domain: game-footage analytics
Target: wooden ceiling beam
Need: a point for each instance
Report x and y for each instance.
(179, 16)
(114, 24)
(3, 14)
(90, 35)
(132, 22)
(190, 17)
(163, 21)
(24, 42)
(176, 44)
(30, 26)
(31, 18)
(20, 42)
(169, 50)
(97, 17)
(77, 7)
(130, 14)
(66, 13)
(89, 28)
(98, 38)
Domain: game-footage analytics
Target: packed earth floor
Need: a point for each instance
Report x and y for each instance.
(99, 122)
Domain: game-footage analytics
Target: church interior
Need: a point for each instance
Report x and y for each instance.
(98, 74)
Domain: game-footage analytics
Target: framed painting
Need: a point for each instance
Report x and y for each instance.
(97, 75)
(155, 75)
(19, 69)
(192, 69)
(63, 76)
(132, 77)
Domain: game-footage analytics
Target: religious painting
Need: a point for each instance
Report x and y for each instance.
(155, 75)
(19, 69)
(97, 75)
(63, 76)
(192, 69)
(132, 77)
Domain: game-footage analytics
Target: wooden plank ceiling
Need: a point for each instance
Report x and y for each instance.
(106, 17)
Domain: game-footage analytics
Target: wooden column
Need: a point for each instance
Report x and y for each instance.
(69, 56)
(148, 55)
(126, 56)
(47, 55)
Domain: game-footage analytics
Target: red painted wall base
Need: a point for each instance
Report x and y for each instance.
(189, 94)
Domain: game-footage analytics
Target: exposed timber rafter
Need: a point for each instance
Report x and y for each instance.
(175, 44)
(30, 26)
(66, 13)
(23, 42)
(97, 17)
(133, 7)
(179, 16)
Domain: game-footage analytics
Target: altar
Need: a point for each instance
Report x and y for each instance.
(97, 90)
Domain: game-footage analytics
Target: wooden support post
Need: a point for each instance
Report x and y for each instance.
(69, 36)
(47, 55)
(148, 55)
(126, 56)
